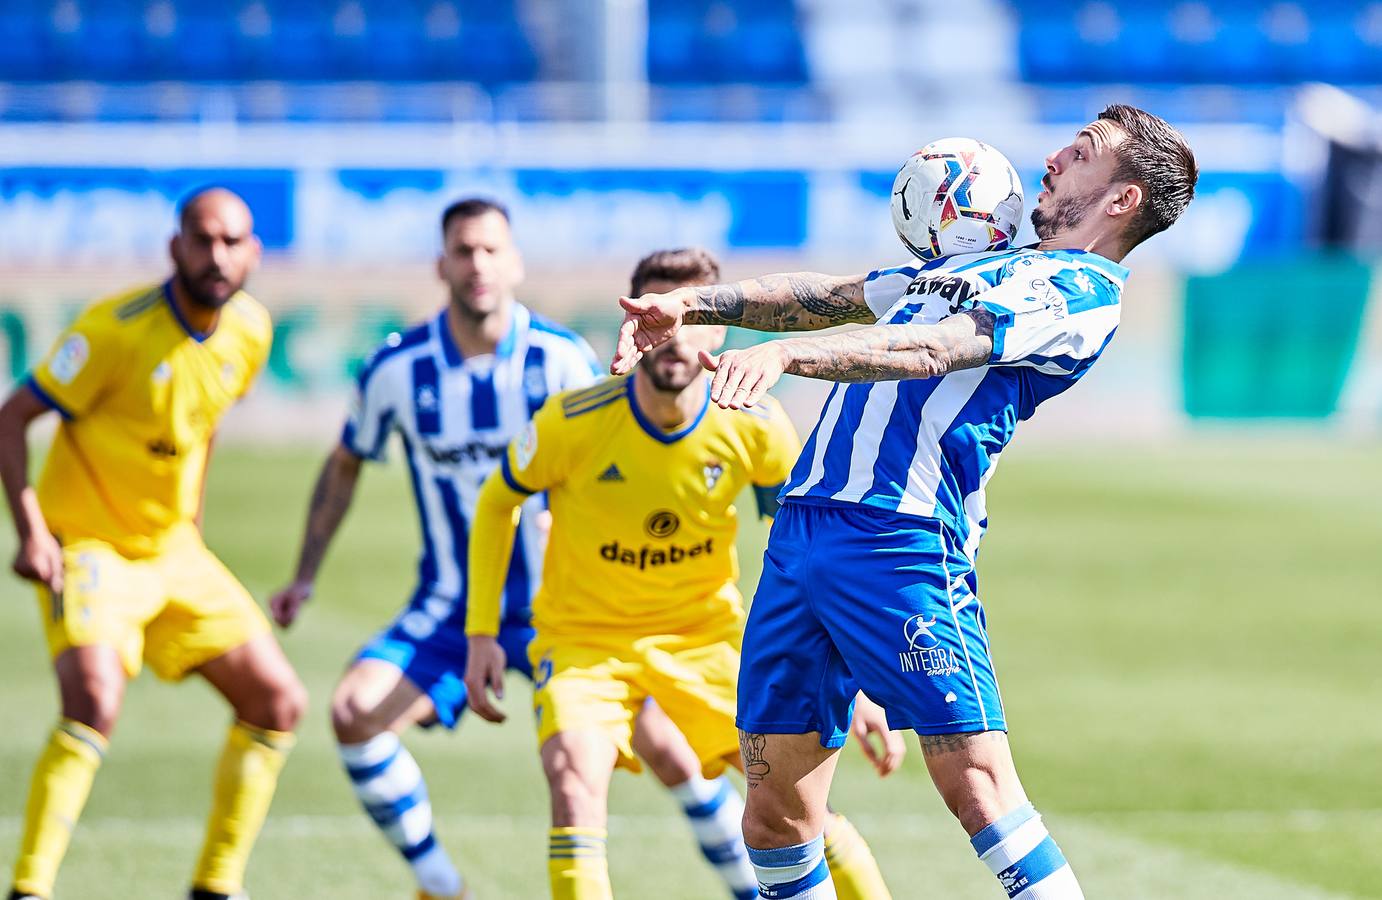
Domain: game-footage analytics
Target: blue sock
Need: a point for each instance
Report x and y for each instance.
(389, 784)
(715, 811)
(1021, 853)
(798, 871)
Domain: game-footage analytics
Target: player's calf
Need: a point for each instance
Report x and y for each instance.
(371, 703)
(976, 778)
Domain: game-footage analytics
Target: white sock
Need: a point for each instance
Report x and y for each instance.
(798, 871)
(716, 813)
(1021, 853)
(389, 784)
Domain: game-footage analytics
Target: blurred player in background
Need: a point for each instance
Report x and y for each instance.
(457, 389)
(869, 577)
(638, 599)
(112, 536)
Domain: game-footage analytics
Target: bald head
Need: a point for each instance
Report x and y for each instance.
(215, 249)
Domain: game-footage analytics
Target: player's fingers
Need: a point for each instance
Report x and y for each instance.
(869, 750)
(634, 304)
(727, 379)
(759, 389)
(749, 389)
(709, 361)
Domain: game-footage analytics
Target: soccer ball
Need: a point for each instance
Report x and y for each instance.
(956, 195)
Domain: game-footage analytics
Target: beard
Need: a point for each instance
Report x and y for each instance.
(1063, 214)
(199, 292)
(669, 382)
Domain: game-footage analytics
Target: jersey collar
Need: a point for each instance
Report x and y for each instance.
(651, 428)
(198, 336)
(518, 321)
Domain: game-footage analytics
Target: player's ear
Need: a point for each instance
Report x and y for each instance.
(441, 265)
(256, 251)
(1127, 200)
(173, 247)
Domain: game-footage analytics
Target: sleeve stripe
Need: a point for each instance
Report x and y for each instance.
(513, 483)
(48, 400)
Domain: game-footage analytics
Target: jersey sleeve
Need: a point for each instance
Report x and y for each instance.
(538, 458)
(79, 368)
(1051, 316)
(884, 287)
(371, 418)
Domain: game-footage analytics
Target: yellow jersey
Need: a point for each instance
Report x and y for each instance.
(140, 396)
(643, 521)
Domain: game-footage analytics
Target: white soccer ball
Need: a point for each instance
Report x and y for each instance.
(956, 195)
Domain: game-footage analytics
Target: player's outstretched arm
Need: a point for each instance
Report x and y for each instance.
(330, 500)
(877, 353)
(798, 301)
(497, 512)
(39, 555)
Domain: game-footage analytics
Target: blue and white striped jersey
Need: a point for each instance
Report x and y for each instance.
(927, 447)
(455, 417)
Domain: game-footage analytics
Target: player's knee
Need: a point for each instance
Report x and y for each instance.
(671, 765)
(279, 706)
(576, 802)
(770, 823)
(976, 799)
(353, 720)
(95, 701)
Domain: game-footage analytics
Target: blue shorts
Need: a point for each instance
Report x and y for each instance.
(432, 655)
(857, 598)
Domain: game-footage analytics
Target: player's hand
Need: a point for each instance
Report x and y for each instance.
(870, 725)
(39, 558)
(484, 672)
(288, 602)
(742, 377)
(649, 320)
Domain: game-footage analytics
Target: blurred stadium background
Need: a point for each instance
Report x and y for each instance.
(1183, 573)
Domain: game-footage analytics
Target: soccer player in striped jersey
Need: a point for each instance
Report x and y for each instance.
(456, 389)
(869, 579)
(112, 538)
(639, 602)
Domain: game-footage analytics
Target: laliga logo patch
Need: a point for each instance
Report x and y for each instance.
(69, 359)
(162, 372)
(426, 398)
(525, 446)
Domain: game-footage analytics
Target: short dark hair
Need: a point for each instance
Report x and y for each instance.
(683, 265)
(469, 208)
(1156, 156)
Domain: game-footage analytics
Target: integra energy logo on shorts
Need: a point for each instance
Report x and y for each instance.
(924, 652)
(660, 524)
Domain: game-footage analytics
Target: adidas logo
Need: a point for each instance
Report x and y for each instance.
(611, 474)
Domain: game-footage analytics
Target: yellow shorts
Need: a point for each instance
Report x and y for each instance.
(602, 682)
(176, 610)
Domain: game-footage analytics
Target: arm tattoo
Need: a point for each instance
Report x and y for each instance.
(802, 301)
(890, 352)
(330, 500)
(942, 744)
(754, 747)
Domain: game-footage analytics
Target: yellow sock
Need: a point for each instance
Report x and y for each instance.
(245, 780)
(851, 863)
(61, 783)
(576, 864)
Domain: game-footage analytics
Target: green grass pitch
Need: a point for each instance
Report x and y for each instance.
(1187, 638)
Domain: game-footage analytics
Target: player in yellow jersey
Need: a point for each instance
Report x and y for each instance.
(638, 598)
(112, 538)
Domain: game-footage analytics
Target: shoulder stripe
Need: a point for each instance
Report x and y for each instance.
(143, 302)
(574, 411)
(593, 394)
